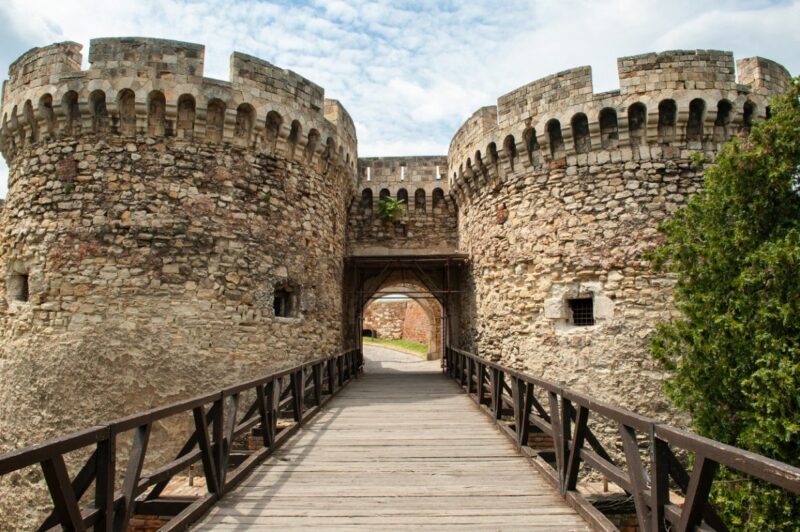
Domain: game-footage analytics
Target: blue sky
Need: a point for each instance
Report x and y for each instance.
(410, 72)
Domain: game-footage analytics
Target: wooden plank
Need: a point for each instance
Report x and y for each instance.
(65, 502)
(396, 449)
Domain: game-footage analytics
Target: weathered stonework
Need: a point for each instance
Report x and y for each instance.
(398, 319)
(151, 219)
(165, 233)
(428, 224)
(560, 193)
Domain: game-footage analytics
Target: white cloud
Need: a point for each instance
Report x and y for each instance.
(410, 71)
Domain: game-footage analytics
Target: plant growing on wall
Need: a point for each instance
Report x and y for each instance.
(389, 209)
(735, 351)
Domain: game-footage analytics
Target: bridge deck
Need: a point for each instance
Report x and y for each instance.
(400, 448)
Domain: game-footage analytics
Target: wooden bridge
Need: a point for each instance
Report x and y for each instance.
(400, 448)
(338, 443)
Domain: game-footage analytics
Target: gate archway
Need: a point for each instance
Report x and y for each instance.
(432, 281)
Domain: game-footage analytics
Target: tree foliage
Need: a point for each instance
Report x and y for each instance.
(735, 350)
(390, 209)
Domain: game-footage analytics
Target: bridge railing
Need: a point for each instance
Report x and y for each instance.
(510, 398)
(282, 402)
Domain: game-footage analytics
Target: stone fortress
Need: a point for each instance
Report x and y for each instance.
(165, 232)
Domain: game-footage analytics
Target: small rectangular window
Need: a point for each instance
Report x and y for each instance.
(582, 311)
(285, 301)
(18, 287)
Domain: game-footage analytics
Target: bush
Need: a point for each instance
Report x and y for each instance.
(735, 350)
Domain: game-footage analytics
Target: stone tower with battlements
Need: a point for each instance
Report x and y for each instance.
(166, 233)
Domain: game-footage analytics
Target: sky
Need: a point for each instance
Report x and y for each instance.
(410, 72)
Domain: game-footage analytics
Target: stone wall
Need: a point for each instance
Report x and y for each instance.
(560, 192)
(400, 319)
(385, 318)
(152, 250)
(416, 325)
(428, 224)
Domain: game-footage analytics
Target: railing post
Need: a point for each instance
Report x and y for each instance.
(523, 399)
(659, 489)
(206, 450)
(559, 440)
(497, 393)
(317, 369)
(141, 437)
(331, 376)
(470, 365)
(481, 386)
(104, 482)
(297, 395)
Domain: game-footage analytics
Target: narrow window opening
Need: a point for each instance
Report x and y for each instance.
(402, 196)
(637, 122)
(582, 311)
(556, 139)
(748, 117)
(580, 133)
(284, 302)
(18, 287)
(667, 115)
(419, 200)
(694, 126)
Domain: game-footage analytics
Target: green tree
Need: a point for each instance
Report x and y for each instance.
(735, 350)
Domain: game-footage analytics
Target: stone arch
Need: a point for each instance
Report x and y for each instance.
(555, 138)
(215, 120)
(748, 116)
(402, 196)
(97, 102)
(580, 133)
(98, 110)
(187, 111)
(126, 106)
(438, 198)
(609, 128)
(531, 144)
(156, 114)
(366, 199)
(294, 137)
(384, 194)
(401, 285)
(311, 145)
(637, 123)
(694, 125)
(47, 113)
(510, 149)
(245, 118)
(72, 113)
(419, 200)
(273, 129)
(494, 157)
(33, 125)
(667, 117)
(723, 121)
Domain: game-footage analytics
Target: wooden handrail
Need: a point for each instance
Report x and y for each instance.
(293, 400)
(507, 396)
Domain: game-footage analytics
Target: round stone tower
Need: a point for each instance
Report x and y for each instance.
(164, 233)
(560, 193)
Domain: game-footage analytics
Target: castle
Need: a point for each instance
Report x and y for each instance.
(166, 232)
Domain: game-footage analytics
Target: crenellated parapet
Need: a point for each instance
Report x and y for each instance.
(152, 87)
(668, 105)
(428, 221)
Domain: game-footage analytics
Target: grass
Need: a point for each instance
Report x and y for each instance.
(402, 345)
